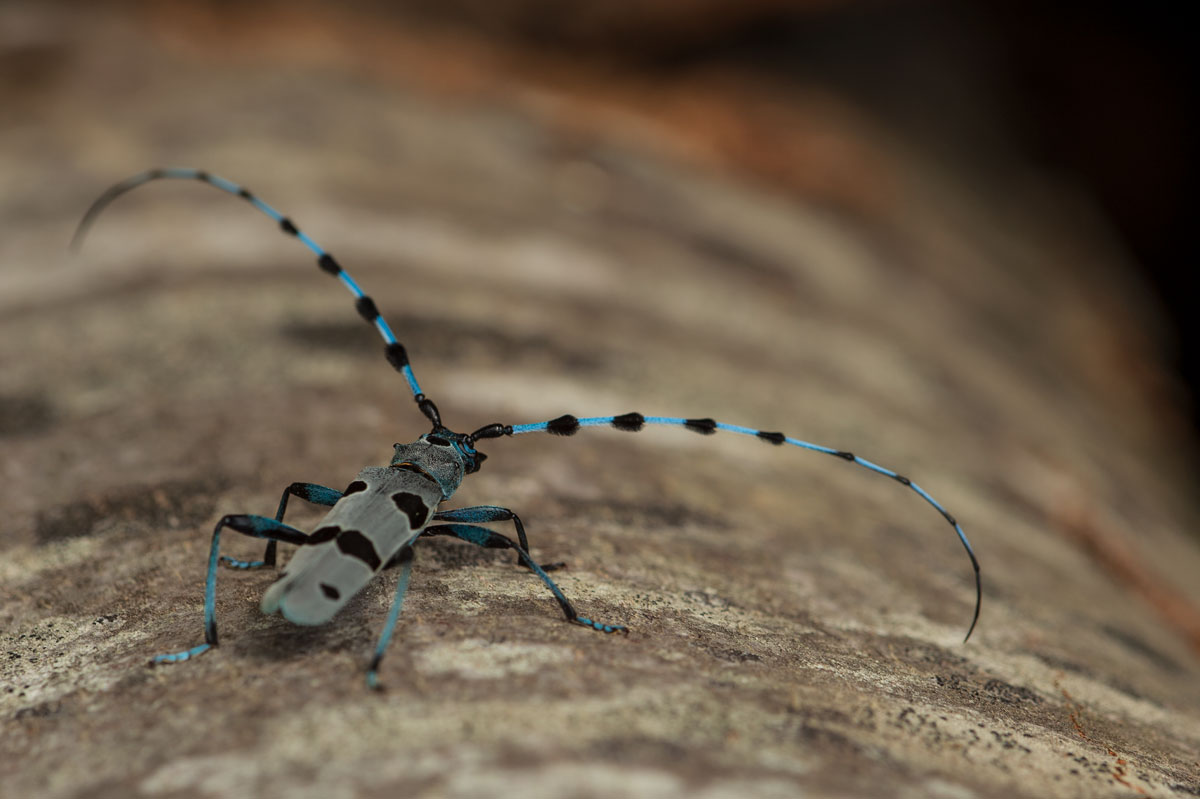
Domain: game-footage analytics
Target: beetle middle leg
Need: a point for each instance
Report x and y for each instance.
(480, 514)
(481, 536)
(316, 494)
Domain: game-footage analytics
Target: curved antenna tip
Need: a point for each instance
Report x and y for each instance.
(978, 601)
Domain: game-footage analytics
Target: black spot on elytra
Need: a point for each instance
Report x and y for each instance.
(703, 426)
(330, 591)
(323, 534)
(629, 422)
(354, 488)
(357, 545)
(413, 507)
(565, 425)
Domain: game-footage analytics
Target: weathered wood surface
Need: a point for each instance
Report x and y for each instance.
(796, 621)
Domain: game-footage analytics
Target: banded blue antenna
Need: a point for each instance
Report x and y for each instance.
(396, 354)
(568, 425)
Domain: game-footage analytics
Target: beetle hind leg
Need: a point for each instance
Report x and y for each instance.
(254, 526)
(403, 559)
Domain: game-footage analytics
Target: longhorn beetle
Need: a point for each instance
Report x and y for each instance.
(374, 522)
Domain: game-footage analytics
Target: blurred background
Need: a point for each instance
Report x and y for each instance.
(1017, 101)
(1091, 97)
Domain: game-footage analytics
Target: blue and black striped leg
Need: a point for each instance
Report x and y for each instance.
(316, 494)
(256, 526)
(403, 559)
(481, 514)
(481, 536)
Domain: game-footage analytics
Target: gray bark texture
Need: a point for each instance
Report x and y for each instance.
(542, 245)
